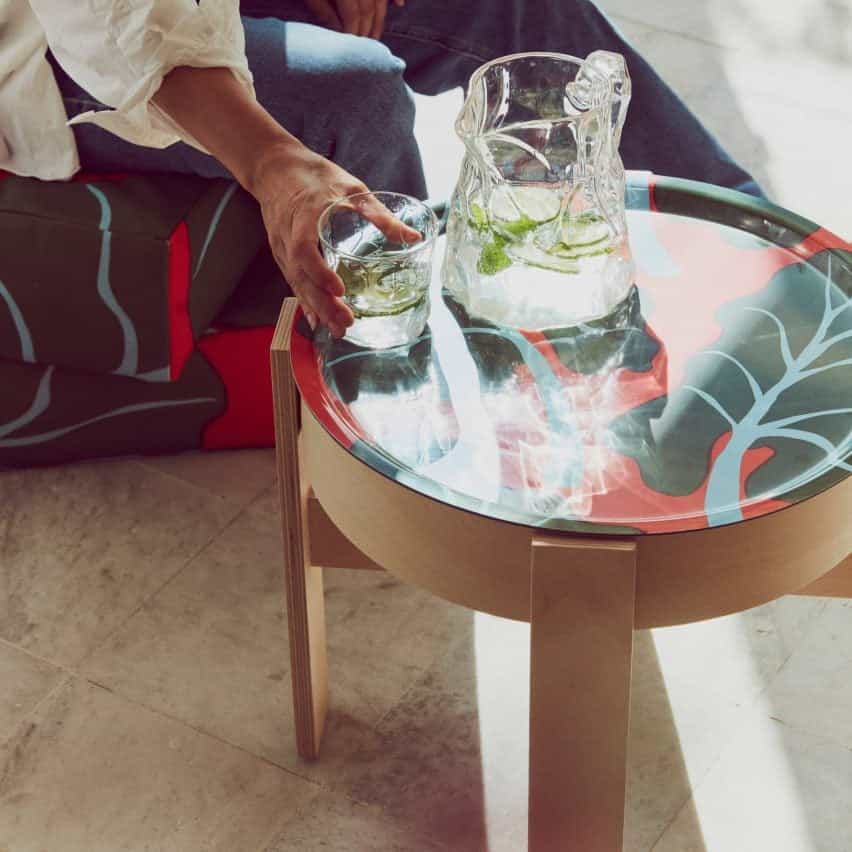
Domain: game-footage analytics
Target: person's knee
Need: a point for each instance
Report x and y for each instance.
(340, 94)
(369, 100)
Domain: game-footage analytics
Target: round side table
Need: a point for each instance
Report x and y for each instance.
(685, 458)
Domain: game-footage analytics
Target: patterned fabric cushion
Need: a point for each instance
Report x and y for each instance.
(222, 399)
(119, 274)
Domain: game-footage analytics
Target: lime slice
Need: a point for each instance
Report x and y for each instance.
(587, 229)
(575, 251)
(355, 280)
(515, 210)
(381, 290)
(531, 255)
(378, 310)
(578, 252)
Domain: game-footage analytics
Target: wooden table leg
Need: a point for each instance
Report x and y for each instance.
(582, 615)
(305, 604)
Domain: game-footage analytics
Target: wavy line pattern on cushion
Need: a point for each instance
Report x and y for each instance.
(40, 402)
(130, 359)
(43, 438)
(214, 224)
(27, 349)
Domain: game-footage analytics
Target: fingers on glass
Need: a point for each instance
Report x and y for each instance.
(361, 234)
(376, 212)
(326, 309)
(316, 268)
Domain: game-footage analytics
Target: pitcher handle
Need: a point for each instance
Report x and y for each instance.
(612, 67)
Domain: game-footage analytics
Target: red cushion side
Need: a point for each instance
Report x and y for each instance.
(181, 341)
(241, 358)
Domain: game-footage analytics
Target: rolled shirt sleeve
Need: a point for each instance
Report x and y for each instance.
(120, 51)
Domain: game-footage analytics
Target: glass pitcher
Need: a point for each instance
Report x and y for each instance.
(537, 236)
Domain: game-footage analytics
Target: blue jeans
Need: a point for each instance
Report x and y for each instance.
(349, 98)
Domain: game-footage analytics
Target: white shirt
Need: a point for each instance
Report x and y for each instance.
(119, 51)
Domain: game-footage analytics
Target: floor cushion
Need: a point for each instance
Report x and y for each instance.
(119, 274)
(136, 314)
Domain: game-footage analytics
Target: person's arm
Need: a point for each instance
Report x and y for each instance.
(292, 183)
(133, 56)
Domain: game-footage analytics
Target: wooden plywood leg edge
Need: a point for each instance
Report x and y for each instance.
(303, 581)
(582, 618)
(836, 583)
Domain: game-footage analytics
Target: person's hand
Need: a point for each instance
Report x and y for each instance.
(293, 186)
(357, 17)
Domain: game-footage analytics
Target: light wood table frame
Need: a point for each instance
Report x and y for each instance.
(583, 595)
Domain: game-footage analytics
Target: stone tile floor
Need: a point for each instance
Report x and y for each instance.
(144, 671)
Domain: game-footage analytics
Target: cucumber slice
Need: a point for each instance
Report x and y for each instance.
(515, 210)
(576, 252)
(587, 229)
(531, 255)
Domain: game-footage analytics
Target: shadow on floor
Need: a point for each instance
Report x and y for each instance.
(451, 759)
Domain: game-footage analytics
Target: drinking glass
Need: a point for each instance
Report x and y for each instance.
(386, 280)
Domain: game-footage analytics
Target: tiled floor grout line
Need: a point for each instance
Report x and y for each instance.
(321, 786)
(195, 729)
(150, 597)
(693, 789)
(813, 622)
(266, 845)
(415, 681)
(825, 740)
(750, 707)
(760, 692)
(280, 828)
(711, 765)
(52, 663)
(668, 824)
(71, 676)
(770, 680)
(78, 673)
(151, 468)
(270, 486)
(67, 676)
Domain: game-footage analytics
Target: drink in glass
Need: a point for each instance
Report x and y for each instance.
(386, 279)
